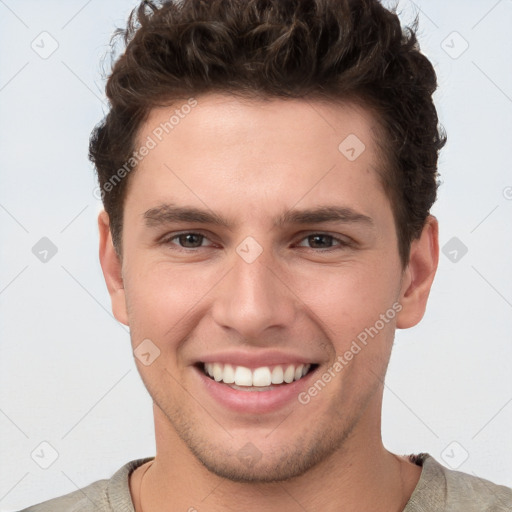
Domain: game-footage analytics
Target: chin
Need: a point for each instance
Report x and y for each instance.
(256, 458)
(249, 465)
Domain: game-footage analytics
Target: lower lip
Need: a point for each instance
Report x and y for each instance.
(255, 402)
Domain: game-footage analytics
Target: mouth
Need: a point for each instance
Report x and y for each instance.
(263, 378)
(256, 390)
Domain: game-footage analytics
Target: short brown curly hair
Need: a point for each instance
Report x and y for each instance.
(348, 50)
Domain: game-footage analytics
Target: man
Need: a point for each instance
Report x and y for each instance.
(267, 170)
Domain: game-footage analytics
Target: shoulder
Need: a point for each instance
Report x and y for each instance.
(88, 499)
(456, 491)
(111, 495)
(481, 494)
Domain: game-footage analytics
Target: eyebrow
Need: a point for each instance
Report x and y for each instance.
(169, 213)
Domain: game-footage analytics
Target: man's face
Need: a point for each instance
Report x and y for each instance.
(269, 289)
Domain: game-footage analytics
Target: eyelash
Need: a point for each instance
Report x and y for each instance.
(340, 243)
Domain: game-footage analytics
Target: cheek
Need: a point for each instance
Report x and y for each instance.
(349, 299)
(161, 299)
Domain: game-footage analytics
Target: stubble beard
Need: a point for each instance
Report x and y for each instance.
(293, 458)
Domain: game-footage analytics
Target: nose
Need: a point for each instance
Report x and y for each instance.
(254, 298)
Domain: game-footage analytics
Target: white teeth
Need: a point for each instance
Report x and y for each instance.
(289, 374)
(229, 374)
(243, 376)
(217, 372)
(260, 378)
(277, 375)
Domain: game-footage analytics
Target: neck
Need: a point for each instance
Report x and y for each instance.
(361, 475)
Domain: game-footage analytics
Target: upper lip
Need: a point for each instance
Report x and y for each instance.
(256, 359)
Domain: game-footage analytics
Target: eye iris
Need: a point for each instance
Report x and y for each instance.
(190, 240)
(313, 239)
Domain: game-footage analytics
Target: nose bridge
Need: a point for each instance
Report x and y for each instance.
(252, 297)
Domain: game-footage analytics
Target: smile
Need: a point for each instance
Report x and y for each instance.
(257, 379)
(254, 382)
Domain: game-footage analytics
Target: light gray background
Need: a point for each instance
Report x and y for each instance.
(67, 375)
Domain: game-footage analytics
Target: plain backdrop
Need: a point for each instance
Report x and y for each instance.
(67, 376)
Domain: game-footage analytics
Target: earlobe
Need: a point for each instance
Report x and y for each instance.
(419, 275)
(112, 269)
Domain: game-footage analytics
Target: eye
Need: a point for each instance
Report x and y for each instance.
(323, 241)
(192, 240)
(186, 240)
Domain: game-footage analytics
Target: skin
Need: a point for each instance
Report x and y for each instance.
(252, 161)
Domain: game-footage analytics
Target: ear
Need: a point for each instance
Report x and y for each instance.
(419, 275)
(112, 269)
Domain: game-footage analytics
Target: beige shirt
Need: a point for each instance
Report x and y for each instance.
(438, 490)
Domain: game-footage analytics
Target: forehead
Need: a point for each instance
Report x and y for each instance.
(247, 154)
(233, 120)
